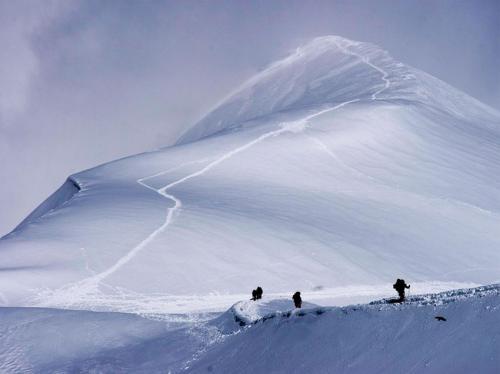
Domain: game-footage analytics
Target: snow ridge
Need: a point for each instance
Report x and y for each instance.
(367, 61)
(310, 77)
(243, 315)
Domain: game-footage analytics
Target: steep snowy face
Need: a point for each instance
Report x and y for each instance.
(333, 172)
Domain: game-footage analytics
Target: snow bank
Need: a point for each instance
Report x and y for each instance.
(244, 313)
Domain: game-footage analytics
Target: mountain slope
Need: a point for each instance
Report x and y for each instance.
(336, 167)
(376, 338)
(356, 339)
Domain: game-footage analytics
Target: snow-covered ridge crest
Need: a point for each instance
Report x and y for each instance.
(61, 196)
(317, 74)
(325, 72)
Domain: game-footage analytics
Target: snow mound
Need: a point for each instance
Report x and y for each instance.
(251, 311)
(244, 313)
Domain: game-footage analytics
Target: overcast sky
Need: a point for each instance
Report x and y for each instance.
(83, 83)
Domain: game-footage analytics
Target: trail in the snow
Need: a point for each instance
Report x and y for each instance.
(345, 166)
(374, 96)
(177, 203)
(197, 308)
(387, 84)
(76, 293)
(170, 213)
(88, 288)
(367, 61)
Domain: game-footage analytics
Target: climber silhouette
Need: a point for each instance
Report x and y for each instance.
(400, 287)
(259, 292)
(297, 300)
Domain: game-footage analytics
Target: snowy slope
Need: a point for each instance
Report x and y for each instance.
(375, 338)
(334, 169)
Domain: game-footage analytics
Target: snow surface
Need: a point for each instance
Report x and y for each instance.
(375, 338)
(334, 171)
(340, 170)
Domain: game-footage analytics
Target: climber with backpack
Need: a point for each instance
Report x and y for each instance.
(400, 287)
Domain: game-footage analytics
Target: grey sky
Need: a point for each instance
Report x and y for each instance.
(86, 82)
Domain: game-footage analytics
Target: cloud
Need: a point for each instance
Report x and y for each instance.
(20, 20)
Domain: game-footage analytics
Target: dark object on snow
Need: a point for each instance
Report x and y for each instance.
(259, 292)
(440, 318)
(400, 286)
(297, 300)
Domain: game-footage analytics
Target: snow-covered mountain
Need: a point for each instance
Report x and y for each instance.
(333, 171)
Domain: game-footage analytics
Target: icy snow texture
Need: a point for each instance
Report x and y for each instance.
(336, 168)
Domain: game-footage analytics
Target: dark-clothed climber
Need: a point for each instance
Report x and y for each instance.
(297, 300)
(259, 292)
(400, 287)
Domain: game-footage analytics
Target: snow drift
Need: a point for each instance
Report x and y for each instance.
(334, 168)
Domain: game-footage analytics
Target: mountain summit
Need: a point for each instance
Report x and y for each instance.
(333, 171)
(327, 71)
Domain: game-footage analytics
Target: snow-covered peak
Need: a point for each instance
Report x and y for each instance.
(323, 73)
(317, 74)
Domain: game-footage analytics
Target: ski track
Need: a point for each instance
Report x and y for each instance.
(86, 293)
